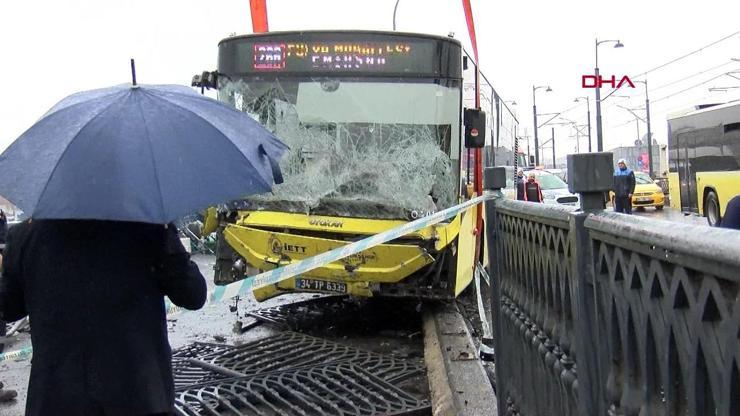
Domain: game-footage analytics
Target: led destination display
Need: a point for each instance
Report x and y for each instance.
(365, 53)
(333, 56)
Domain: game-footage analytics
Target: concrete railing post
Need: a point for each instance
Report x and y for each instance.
(494, 180)
(589, 175)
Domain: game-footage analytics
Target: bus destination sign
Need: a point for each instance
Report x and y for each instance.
(329, 56)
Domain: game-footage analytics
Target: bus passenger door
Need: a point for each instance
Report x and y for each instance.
(686, 152)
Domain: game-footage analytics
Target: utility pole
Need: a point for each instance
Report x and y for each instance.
(649, 133)
(588, 117)
(553, 147)
(536, 139)
(534, 113)
(588, 114)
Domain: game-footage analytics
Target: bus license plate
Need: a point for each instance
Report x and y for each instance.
(324, 285)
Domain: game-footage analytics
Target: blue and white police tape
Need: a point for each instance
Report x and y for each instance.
(17, 354)
(279, 274)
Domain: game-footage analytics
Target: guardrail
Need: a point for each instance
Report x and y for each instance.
(600, 313)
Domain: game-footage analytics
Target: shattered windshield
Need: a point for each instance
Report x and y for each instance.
(361, 148)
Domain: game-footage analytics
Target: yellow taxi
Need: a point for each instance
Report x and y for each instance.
(647, 193)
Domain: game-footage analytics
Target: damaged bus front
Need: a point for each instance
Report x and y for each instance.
(373, 121)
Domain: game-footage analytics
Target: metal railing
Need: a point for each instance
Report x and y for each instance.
(598, 313)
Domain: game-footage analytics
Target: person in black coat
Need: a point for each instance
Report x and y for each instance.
(520, 181)
(94, 292)
(731, 218)
(532, 189)
(624, 187)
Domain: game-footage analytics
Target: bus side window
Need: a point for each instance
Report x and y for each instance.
(732, 127)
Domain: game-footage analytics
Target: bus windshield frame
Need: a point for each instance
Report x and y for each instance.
(371, 145)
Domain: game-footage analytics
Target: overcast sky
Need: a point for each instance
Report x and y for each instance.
(53, 48)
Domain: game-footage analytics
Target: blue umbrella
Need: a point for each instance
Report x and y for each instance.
(137, 153)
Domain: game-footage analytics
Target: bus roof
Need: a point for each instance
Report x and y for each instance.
(701, 109)
(317, 32)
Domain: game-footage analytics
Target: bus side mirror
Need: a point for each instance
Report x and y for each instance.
(475, 128)
(531, 160)
(205, 80)
(465, 63)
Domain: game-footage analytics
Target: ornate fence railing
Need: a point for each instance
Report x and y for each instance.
(598, 313)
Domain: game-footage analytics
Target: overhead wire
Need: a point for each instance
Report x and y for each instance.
(686, 89)
(642, 93)
(672, 61)
(690, 76)
(663, 101)
(659, 102)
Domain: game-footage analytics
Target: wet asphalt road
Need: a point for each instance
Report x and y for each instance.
(669, 214)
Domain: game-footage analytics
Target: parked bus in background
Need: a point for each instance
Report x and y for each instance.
(704, 160)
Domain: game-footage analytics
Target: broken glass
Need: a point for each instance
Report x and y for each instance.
(359, 148)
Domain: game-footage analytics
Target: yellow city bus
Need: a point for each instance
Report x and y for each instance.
(374, 124)
(704, 160)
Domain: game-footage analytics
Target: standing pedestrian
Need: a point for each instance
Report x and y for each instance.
(520, 184)
(624, 187)
(532, 189)
(94, 291)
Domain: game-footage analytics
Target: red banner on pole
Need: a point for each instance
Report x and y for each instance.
(258, 9)
(471, 28)
(478, 169)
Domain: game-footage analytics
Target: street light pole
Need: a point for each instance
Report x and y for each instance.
(599, 133)
(599, 137)
(395, 8)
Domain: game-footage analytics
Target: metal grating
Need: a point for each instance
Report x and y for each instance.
(200, 349)
(305, 313)
(288, 350)
(330, 389)
(187, 374)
